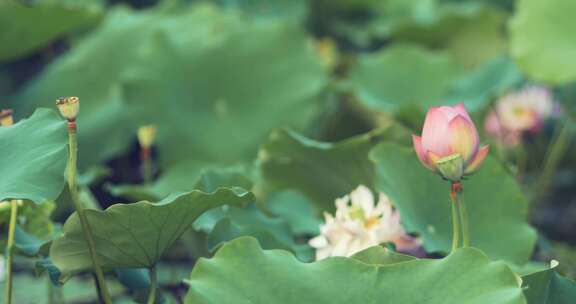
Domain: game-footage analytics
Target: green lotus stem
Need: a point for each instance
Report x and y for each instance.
(146, 135)
(463, 219)
(555, 153)
(147, 165)
(73, 187)
(455, 224)
(153, 285)
(521, 161)
(54, 294)
(10, 250)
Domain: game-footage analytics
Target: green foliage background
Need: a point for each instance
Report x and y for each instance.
(267, 111)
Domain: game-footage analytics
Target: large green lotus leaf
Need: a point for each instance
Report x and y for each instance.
(378, 255)
(27, 243)
(212, 179)
(478, 39)
(296, 209)
(548, 287)
(34, 218)
(404, 75)
(470, 31)
(366, 23)
(349, 4)
(542, 40)
(103, 124)
(322, 171)
(209, 181)
(269, 8)
(182, 177)
(496, 206)
(27, 27)
(34, 154)
(408, 77)
(37, 219)
(225, 74)
(29, 288)
(179, 177)
(480, 86)
(131, 37)
(271, 232)
(264, 75)
(241, 272)
(136, 235)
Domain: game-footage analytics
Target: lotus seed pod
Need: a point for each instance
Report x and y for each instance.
(68, 107)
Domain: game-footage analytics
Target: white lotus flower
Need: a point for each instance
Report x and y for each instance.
(360, 224)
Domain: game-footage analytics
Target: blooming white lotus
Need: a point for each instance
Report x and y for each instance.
(359, 224)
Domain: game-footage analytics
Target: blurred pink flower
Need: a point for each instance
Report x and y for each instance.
(505, 137)
(359, 224)
(450, 145)
(519, 112)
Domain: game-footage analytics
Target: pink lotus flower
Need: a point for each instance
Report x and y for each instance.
(450, 145)
(504, 137)
(519, 112)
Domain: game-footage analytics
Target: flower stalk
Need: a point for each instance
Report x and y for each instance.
(455, 224)
(69, 108)
(554, 155)
(153, 286)
(146, 137)
(10, 250)
(459, 217)
(7, 120)
(521, 161)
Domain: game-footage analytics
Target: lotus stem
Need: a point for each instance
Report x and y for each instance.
(55, 295)
(460, 224)
(10, 250)
(146, 136)
(554, 155)
(73, 187)
(153, 285)
(455, 221)
(463, 219)
(146, 165)
(521, 162)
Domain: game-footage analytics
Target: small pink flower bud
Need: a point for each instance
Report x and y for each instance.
(68, 107)
(6, 118)
(450, 145)
(146, 136)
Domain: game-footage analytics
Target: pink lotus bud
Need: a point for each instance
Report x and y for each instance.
(6, 118)
(450, 139)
